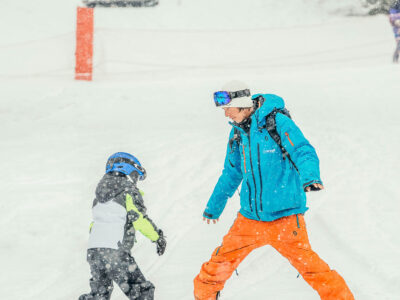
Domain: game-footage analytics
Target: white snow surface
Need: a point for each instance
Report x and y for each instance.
(155, 72)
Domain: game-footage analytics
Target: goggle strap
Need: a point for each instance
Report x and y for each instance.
(238, 94)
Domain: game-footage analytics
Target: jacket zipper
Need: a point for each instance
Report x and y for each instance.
(291, 143)
(254, 179)
(251, 206)
(259, 172)
(244, 159)
(232, 165)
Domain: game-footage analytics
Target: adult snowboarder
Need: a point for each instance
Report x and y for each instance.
(394, 18)
(276, 165)
(118, 210)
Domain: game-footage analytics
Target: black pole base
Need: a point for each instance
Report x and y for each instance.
(120, 3)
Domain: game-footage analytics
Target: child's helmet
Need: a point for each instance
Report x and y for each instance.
(125, 163)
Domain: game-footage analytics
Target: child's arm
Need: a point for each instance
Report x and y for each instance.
(142, 223)
(134, 202)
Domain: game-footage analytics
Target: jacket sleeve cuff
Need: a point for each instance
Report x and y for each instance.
(209, 216)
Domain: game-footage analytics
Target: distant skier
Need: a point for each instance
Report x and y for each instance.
(394, 18)
(276, 165)
(118, 210)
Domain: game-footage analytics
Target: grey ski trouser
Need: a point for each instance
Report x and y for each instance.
(108, 265)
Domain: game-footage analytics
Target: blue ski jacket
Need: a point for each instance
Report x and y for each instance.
(271, 188)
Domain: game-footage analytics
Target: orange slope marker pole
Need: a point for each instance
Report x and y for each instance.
(84, 44)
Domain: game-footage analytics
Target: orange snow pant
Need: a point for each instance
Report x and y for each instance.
(288, 236)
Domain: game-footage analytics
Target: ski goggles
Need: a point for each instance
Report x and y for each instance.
(223, 98)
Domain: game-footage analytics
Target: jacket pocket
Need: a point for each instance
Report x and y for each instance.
(282, 196)
(245, 197)
(249, 197)
(232, 165)
(289, 139)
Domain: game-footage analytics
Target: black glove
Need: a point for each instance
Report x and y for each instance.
(161, 243)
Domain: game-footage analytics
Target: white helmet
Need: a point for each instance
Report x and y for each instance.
(234, 94)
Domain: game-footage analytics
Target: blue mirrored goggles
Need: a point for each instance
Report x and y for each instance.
(223, 98)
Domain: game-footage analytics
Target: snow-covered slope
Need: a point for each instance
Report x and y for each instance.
(155, 71)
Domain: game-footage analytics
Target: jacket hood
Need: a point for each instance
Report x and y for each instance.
(111, 185)
(271, 102)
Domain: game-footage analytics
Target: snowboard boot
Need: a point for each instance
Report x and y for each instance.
(92, 297)
(86, 297)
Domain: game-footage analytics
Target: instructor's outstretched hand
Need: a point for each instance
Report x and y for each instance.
(208, 220)
(314, 187)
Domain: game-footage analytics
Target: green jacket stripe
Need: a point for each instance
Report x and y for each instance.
(142, 223)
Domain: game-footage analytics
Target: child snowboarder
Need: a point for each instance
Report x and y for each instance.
(394, 18)
(118, 211)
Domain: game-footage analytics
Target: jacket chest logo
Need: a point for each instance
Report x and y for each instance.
(269, 151)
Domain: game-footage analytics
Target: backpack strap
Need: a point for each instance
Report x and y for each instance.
(271, 128)
(235, 139)
(270, 125)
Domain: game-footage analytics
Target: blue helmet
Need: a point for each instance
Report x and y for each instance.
(125, 163)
